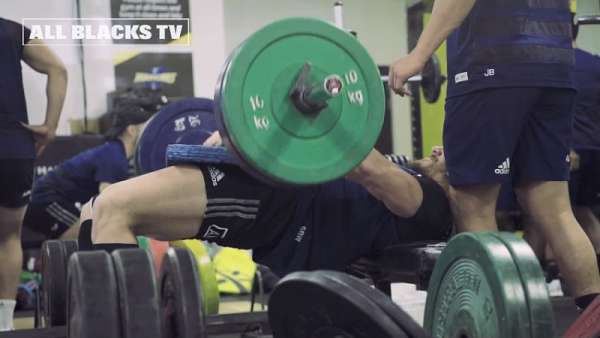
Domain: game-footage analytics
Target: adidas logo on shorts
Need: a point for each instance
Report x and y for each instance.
(504, 168)
(216, 175)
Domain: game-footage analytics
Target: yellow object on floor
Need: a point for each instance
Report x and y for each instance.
(235, 271)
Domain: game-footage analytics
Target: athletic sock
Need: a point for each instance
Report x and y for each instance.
(583, 301)
(7, 310)
(85, 236)
(113, 246)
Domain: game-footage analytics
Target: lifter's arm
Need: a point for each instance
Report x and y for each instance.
(399, 191)
(446, 16)
(41, 58)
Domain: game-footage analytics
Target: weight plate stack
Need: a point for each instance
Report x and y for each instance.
(476, 290)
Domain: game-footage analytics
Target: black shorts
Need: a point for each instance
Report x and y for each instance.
(584, 185)
(243, 212)
(319, 227)
(52, 218)
(432, 222)
(16, 178)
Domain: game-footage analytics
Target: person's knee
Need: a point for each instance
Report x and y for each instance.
(86, 211)
(474, 199)
(545, 202)
(110, 211)
(10, 223)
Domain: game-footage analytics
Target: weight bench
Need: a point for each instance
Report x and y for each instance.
(402, 263)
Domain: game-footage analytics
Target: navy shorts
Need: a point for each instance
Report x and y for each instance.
(16, 178)
(584, 185)
(51, 218)
(492, 134)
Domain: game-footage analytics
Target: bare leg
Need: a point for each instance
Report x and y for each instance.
(71, 233)
(10, 250)
(167, 205)
(548, 203)
(474, 207)
(590, 223)
(534, 237)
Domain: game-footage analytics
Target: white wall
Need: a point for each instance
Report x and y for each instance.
(217, 27)
(207, 47)
(381, 27)
(35, 83)
(589, 36)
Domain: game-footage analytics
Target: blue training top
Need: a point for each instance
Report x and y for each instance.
(78, 178)
(586, 125)
(15, 140)
(511, 43)
(335, 223)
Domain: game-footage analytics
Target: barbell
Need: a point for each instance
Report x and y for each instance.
(302, 102)
(299, 102)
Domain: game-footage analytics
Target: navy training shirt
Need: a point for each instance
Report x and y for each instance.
(78, 178)
(586, 124)
(15, 141)
(511, 43)
(332, 225)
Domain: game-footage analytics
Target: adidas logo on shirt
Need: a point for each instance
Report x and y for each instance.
(214, 231)
(216, 175)
(504, 168)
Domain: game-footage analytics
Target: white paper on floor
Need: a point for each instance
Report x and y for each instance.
(411, 300)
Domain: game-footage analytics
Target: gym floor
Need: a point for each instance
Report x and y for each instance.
(565, 312)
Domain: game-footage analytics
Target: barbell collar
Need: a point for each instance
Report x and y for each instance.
(588, 20)
(310, 97)
(416, 78)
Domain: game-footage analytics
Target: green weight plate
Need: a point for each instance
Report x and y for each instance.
(208, 275)
(476, 291)
(143, 242)
(265, 128)
(534, 283)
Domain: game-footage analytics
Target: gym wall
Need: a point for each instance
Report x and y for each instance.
(208, 50)
(35, 83)
(217, 27)
(380, 24)
(588, 38)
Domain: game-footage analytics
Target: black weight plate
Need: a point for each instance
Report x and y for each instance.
(432, 80)
(54, 283)
(92, 306)
(187, 121)
(411, 328)
(138, 296)
(71, 246)
(309, 304)
(181, 296)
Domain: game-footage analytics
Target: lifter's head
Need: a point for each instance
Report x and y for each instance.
(132, 110)
(127, 122)
(433, 166)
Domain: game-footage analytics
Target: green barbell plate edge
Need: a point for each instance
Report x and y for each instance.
(208, 275)
(534, 284)
(275, 154)
(144, 242)
(476, 286)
